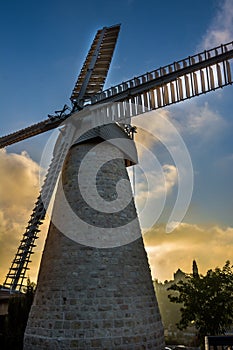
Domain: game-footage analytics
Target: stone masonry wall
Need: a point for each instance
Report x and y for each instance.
(94, 297)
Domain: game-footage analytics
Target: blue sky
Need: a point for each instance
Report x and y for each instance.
(43, 46)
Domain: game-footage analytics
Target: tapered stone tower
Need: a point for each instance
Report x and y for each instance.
(94, 289)
(97, 295)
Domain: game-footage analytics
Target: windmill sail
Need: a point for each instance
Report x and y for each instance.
(90, 80)
(33, 130)
(95, 69)
(17, 273)
(189, 77)
(184, 79)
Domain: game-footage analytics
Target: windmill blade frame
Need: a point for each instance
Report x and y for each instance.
(101, 49)
(192, 76)
(95, 68)
(184, 79)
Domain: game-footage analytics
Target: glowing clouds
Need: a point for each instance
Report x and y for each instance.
(18, 192)
(209, 245)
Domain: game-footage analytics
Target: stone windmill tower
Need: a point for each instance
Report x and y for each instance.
(94, 287)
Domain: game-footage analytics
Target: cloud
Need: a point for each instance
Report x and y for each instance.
(156, 176)
(196, 119)
(18, 192)
(166, 165)
(203, 118)
(152, 189)
(151, 125)
(160, 183)
(221, 28)
(209, 245)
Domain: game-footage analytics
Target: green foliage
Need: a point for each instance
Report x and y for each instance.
(207, 301)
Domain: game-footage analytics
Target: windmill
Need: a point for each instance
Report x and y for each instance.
(113, 108)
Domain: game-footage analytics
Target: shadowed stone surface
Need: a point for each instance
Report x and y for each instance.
(91, 297)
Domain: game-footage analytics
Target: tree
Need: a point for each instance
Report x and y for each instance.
(207, 301)
(195, 269)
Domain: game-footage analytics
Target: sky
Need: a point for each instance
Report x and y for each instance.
(43, 46)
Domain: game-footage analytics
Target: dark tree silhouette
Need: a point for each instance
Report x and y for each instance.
(195, 269)
(207, 301)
